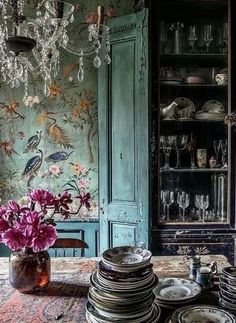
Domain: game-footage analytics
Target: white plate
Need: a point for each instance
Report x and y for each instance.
(185, 108)
(176, 289)
(126, 256)
(217, 116)
(213, 106)
(202, 314)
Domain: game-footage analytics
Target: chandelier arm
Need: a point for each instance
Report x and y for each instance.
(85, 51)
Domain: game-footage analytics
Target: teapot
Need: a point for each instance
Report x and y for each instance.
(194, 263)
(167, 113)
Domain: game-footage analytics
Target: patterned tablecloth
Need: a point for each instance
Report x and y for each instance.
(66, 296)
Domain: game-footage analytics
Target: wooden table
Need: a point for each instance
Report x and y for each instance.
(65, 299)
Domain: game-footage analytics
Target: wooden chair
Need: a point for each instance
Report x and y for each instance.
(69, 246)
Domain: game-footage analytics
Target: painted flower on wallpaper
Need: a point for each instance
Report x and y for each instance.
(11, 110)
(30, 101)
(31, 225)
(80, 185)
(55, 171)
(55, 90)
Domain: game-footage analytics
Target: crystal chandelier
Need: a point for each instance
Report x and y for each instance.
(31, 44)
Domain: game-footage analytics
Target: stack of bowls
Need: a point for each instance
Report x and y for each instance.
(122, 288)
(227, 294)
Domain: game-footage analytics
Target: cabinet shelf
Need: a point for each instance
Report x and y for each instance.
(195, 170)
(194, 86)
(203, 60)
(195, 121)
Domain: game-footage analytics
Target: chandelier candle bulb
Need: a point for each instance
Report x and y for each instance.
(100, 15)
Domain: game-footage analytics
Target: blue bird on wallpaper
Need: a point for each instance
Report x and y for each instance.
(33, 142)
(33, 164)
(58, 156)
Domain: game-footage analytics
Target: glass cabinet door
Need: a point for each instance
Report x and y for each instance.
(193, 102)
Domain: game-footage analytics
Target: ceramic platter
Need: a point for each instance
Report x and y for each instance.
(174, 290)
(216, 116)
(230, 271)
(150, 315)
(213, 106)
(202, 314)
(185, 108)
(126, 256)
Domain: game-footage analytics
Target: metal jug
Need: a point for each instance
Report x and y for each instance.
(205, 275)
(193, 263)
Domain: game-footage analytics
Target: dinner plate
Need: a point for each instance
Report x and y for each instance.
(202, 314)
(216, 116)
(213, 106)
(185, 108)
(126, 256)
(230, 271)
(176, 289)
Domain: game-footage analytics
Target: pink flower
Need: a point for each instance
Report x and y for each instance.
(83, 183)
(79, 169)
(91, 18)
(13, 206)
(14, 239)
(44, 198)
(84, 199)
(54, 170)
(45, 238)
(63, 201)
(29, 223)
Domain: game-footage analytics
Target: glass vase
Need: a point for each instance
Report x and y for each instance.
(29, 272)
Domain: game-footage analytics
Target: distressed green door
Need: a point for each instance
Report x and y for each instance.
(123, 135)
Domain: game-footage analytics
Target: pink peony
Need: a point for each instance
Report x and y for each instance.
(45, 238)
(54, 170)
(14, 239)
(29, 223)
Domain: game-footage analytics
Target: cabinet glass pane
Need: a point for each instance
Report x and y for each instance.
(193, 87)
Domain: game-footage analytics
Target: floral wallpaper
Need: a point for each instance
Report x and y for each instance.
(53, 142)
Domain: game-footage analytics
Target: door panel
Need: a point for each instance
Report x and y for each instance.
(123, 135)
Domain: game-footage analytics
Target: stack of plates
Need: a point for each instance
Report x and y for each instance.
(227, 295)
(174, 292)
(122, 288)
(201, 314)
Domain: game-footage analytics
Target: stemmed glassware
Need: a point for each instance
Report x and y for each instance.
(192, 37)
(202, 203)
(207, 36)
(167, 198)
(180, 143)
(163, 36)
(183, 200)
(166, 144)
(223, 38)
(224, 148)
(217, 146)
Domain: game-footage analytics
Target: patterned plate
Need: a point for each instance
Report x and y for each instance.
(176, 290)
(126, 256)
(185, 108)
(202, 314)
(213, 106)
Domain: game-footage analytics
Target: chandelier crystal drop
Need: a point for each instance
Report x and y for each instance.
(30, 45)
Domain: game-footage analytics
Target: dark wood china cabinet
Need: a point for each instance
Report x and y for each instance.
(194, 163)
(190, 89)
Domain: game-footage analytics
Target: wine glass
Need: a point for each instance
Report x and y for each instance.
(180, 144)
(183, 200)
(163, 36)
(192, 37)
(166, 144)
(223, 38)
(168, 199)
(207, 36)
(224, 148)
(202, 203)
(217, 146)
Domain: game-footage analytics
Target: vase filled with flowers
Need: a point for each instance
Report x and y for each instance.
(28, 229)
